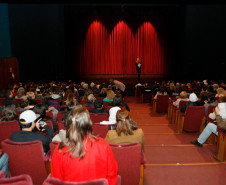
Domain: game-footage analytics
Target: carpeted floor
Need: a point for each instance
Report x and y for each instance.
(171, 159)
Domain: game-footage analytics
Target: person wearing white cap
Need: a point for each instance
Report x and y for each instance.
(112, 116)
(28, 122)
(193, 101)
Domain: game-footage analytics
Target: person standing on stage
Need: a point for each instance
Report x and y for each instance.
(138, 66)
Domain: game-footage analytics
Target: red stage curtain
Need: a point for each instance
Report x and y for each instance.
(116, 52)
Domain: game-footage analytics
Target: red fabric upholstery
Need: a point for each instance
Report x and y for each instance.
(193, 118)
(50, 123)
(7, 128)
(55, 106)
(17, 180)
(98, 117)
(18, 113)
(2, 174)
(210, 110)
(26, 158)
(89, 107)
(60, 116)
(162, 103)
(61, 125)
(55, 181)
(128, 157)
(105, 104)
(52, 146)
(38, 100)
(83, 102)
(100, 130)
(18, 101)
(49, 114)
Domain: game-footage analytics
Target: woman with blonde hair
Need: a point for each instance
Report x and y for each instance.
(110, 96)
(126, 131)
(71, 98)
(183, 97)
(82, 156)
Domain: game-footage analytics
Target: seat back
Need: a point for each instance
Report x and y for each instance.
(61, 125)
(162, 103)
(52, 146)
(181, 104)
(105, 104)
(55, 181)
(26, 158)
(49, 114)
(89, 107)
(128, 157)
(100, 130)
(7, 128)
(17, 180)
(193, 118)
(60, 116)
(98, 117)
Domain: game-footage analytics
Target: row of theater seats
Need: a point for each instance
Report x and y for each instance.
(27, 158)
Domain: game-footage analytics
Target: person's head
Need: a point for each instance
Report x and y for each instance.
(71, 105)
(78, 127)
(20, 92)
(162, 89)
(40, 109)
(91, 98)
(117, 100)
(24, 103)
(215, 87)
(70, 97)
(27, 119)
(183, 95)
(125, 124)
(193, 97)
(98, 104)
(222, 98)
(110, 95)
(211, 97)
(9, 94)
(8, 112)
(103, 90)
(220, 91)
(85, 86)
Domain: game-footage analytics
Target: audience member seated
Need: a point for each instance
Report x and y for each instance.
(193, 101)
(220, 91)
(117, 101)
(9, 113)
(126, 131)
(110, 96)
(4, 163)
(211, 127)
(183, 97)
(112, 117)
(21, 94)
(210, 101)
(46, 101)
(98, 107)
(70, 106)
(71, 158)
(103, 92)
(71, 98)
(9, 98)
(91, 99)
(28, 122)
(161, 91)
(40, 109)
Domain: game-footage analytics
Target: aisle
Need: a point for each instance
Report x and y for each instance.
(171, 159)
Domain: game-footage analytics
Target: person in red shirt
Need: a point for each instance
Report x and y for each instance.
(82, 156)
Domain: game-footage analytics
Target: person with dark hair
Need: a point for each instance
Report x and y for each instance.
(91, 99)
(9, 98)
(138, 67)
(9, 112)
(210, 101)
(161, 91)
(82, 156)
(41, 110)
(126, 131)
(28, 122)
(117, 101)
(98, 107)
